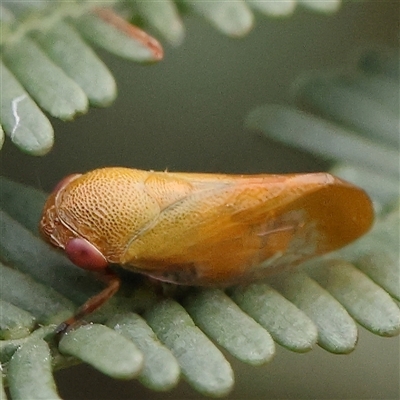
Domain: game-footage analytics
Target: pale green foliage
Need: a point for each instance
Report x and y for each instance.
(48, 62)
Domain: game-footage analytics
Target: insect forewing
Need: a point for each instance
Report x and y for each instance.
(226, 226)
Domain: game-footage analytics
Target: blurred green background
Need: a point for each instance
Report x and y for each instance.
(186, 114)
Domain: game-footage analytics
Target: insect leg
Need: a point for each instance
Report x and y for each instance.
(113, 282)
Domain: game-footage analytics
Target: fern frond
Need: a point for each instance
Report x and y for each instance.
(48, 64)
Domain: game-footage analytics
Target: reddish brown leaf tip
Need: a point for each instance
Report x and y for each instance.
(110, 17)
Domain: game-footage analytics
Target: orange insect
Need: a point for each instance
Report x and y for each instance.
(200, 229)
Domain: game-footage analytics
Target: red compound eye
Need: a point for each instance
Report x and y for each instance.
(85, 255)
